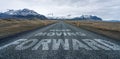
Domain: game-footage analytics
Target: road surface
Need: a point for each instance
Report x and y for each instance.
(60, 41)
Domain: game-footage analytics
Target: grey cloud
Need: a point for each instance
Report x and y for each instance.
(107, 9)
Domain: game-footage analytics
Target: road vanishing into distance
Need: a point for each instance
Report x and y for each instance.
(60, 41)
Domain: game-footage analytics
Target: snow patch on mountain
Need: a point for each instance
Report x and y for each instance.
(23, 12)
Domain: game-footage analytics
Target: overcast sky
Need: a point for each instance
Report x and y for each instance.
(106, 9)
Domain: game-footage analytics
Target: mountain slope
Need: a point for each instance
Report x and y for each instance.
(87, 17)
(24, 13)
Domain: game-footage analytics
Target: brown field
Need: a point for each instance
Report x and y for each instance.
(109, 29)
(10, 27)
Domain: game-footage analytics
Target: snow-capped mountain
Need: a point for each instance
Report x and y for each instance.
(23, 13)
(87, 17)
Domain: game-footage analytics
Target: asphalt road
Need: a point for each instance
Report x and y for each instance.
(60, 41)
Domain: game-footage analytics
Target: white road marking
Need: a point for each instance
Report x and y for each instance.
(51, 34)
(60, 34)
(81, 34)
(64, 34)
(13, 43)
(95, 45)
(60, 30)
(109, 44)
(78, 45)
(71, 34)
(58, 42)
(41, 34)
(29, 43)
(44, 43)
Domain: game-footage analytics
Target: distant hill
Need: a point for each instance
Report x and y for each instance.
(112, 20)
(23, 13)
(87, 17)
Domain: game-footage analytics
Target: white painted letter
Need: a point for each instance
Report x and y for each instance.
(57, 43)
(77, 45)
(41, 34)
(13, 43)
(51, 34)
(44, 43)
(109, 44)
(95, 45)
(27, 44)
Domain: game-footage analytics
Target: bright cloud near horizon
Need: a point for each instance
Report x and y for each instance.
(106, 9)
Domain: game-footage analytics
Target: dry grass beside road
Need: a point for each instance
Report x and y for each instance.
(10, 27)
(109, 29)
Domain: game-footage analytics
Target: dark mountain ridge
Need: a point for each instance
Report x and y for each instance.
(87, 17)
(23, 13)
